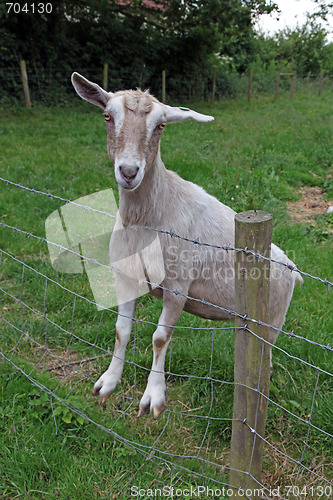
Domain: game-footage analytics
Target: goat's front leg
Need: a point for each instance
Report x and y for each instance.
(153, 398)
(107, 383)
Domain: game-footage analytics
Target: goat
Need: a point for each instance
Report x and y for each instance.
(152, 196)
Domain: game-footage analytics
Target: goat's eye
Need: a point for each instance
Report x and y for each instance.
(108, 117)
(161, 126)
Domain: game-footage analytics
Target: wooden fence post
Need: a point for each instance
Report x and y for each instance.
(277, 84)
(214, 87)
(292, 84)
(249, 92)
(163, 86)
(253, 230)
(25, 83)
(105, 76)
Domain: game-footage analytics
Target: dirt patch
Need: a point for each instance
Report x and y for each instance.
(70, 364)
(310, 204)
(67, 365)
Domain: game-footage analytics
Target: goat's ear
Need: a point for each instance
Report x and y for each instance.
(174, 115)
(90, 91)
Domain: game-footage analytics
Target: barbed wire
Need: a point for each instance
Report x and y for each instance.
(146, 450)
(154, 452)
(195, 241)
(169, 372)
(72, 335)
(229, 311)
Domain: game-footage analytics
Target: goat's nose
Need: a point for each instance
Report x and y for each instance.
(128, 172)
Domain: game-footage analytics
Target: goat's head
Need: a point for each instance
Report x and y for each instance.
(134, 123)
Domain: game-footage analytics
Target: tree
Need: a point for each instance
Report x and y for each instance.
(137, 38)
(178, 32)
(325, 8)
(304, 48)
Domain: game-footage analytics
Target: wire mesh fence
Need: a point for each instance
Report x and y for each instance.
(54, 335)
(53, 87)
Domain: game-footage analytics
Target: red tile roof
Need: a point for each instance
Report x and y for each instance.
(150, 4)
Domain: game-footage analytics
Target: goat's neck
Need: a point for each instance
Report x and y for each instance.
(143, 206)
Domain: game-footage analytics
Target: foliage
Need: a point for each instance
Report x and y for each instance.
(305, 49)
(137, 43)
(188, 39)
(302, 49)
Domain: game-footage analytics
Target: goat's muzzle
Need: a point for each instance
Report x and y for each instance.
(128, 176)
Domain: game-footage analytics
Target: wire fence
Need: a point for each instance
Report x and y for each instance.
(53, 336)
(54, 88)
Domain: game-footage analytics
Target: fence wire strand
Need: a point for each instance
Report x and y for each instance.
(167, 232)
(176, 292)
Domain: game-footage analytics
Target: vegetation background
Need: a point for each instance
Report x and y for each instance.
(190, 40)
(258, 155)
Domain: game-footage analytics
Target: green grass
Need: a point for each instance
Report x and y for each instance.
(252, 156)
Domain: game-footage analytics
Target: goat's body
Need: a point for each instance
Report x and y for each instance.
(198, 278)
(200, 271)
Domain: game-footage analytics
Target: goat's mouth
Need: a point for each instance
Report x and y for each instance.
(129, 185)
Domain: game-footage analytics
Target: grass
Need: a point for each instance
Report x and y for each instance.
(252, 156)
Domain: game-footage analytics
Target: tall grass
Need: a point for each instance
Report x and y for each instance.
(252, 156)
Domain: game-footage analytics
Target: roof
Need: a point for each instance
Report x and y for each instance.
(149, 4)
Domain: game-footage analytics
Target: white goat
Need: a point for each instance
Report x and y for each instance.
(150, 195)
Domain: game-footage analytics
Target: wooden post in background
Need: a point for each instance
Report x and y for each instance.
(292, 85)
(277, 84)
(25, 84)
(320, 83)
(163, 86)
(253, 230)
(249, 92)
(214, 87)
(105, 76)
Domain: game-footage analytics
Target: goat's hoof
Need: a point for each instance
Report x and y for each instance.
(144, 409)
(148, 405)
(96, 391)
(102, 400)
(157, 410)
(105, 386)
